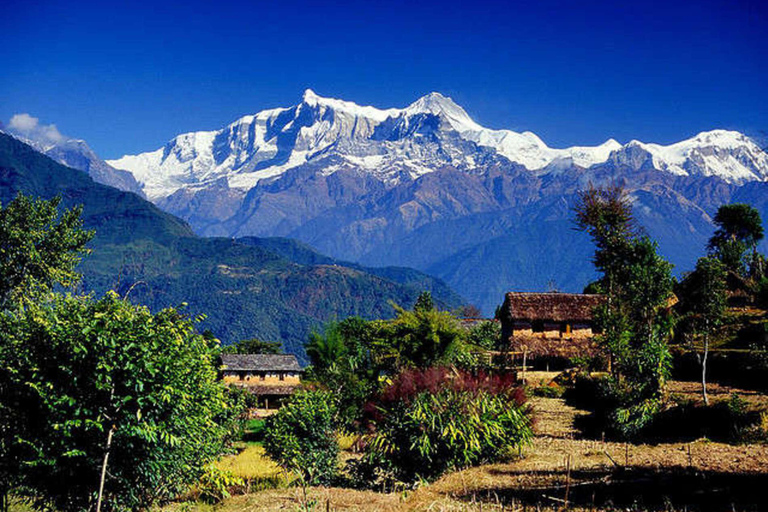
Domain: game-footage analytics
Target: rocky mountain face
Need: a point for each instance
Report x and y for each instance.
(427, 187)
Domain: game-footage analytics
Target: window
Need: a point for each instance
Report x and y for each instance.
(537, 326)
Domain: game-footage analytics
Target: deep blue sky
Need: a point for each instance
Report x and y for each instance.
(128, 77)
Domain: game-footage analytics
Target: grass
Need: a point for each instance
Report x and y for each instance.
(255, 468)
(251, 462)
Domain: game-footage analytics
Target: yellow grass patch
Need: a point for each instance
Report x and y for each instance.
(250, 463)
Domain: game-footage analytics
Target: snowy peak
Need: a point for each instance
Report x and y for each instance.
(729, 155)
(431, 133)
(445, 108)
(312, 99)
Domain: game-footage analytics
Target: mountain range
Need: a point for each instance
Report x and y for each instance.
(427, 187)
(274, 289)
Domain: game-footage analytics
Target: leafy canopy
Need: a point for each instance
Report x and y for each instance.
(633, 322)
(81, 378)
(40, 248)
(301, 438)
(342, 362)
(253, 346)
(420, 338)
(703, 294)
(739, 228)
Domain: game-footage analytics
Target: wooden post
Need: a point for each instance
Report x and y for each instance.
(690, 457)
(567, 479)
(525, 363)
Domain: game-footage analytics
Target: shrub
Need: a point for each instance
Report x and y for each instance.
(549, 391)
(91, 384)
(431, 421)
(215, 483)
(620, 409)
(300, 437)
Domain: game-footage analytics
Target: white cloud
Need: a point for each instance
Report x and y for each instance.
(30, 127)
(23, 122)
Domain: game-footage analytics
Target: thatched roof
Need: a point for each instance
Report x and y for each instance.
(555, 307)
(260, 362)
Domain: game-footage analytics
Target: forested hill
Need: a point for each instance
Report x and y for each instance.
(270, 289)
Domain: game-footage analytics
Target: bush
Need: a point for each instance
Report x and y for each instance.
(300, 437)
(215, 483)
(551, 390)
(725, 421)
(253, 430)
(619, 408)
(430, 421)
(87, 383)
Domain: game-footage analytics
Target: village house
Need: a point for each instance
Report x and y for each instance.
(549, 324)
(271, 377)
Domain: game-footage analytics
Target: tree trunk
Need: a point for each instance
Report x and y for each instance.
(704, 365)
(104, 467)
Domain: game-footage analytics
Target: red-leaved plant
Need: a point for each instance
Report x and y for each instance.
(428, 421)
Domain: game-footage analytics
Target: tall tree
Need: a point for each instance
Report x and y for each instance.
(739, 229)
(704, 300)
(606, 215)
(638, 285)
(40, 247)
(326, 350)
(424, 302)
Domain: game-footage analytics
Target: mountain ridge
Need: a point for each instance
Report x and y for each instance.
(426, 187)
(319, 125)
(246, 290)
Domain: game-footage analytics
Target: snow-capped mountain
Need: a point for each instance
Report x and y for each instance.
(427, 187)
(74, 153)
(396, 144)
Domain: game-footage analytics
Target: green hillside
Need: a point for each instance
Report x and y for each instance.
(272, 290)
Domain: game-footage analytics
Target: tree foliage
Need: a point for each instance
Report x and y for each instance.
(420, 338)
(634, 324)
(40, 248)
(301, 438)
(253, 346)
(703, 303)
(739, 229)
(342, 362)
(424, 302)
(91, 384)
